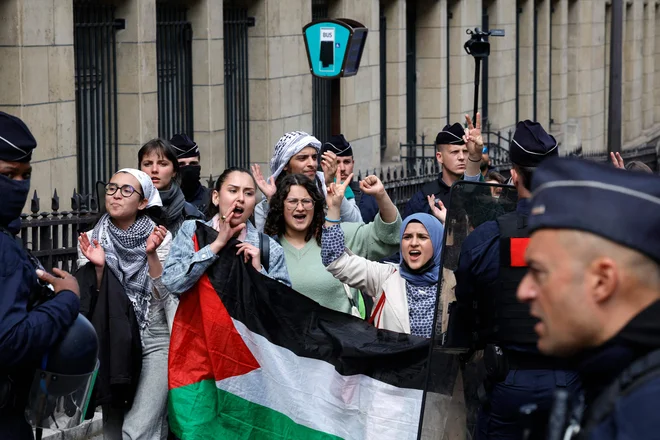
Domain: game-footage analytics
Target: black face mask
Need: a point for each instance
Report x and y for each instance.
(14, 195)
(190, 175)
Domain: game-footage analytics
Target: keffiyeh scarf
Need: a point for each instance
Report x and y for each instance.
(126, 257)
(288, 146)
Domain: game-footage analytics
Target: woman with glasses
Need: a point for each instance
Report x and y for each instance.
(158, 159)
(296, 217)
(232, 204)
(127, 249)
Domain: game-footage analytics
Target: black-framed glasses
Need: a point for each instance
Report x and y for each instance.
(292, 204)
(125, 190)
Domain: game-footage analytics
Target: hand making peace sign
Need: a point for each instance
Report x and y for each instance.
(336, 191)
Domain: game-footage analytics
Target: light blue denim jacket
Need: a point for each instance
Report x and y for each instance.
(184, 266)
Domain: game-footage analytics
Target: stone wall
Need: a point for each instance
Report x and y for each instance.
(37, 46)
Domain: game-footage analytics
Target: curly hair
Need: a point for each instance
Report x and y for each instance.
(275, 223)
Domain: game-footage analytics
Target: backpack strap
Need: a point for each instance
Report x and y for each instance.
(264, 246)
(637, 374)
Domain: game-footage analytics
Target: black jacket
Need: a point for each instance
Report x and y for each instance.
(120, 347)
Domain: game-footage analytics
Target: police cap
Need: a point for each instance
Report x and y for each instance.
(531, 145)
(451, 135)
(619, 205)
(184, 146)
(338, 145)
(16, 140)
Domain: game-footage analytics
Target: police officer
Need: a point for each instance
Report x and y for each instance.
(459, 160)
(26, 333)
(190, 169)
(345, 164)
(594, 286)
(490, 268)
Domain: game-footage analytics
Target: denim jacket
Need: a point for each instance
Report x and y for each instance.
(184, 267)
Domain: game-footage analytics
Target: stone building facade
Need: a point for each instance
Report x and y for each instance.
(235, 74)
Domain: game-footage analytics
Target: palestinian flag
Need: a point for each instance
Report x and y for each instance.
(251, 358)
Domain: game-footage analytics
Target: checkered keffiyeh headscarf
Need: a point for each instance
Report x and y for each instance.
(288, 146)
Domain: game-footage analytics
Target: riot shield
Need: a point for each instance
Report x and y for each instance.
(451, 401)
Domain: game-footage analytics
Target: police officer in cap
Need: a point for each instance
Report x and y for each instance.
(594, 286)
(489, 270)
(187, 154)
(345, 164)
(459, 153)
(26, 333)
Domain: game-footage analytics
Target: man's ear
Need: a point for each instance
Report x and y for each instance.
(514, 177)
(602, 279)
(438, 156)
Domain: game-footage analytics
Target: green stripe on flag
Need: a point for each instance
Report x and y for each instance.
(216, 414)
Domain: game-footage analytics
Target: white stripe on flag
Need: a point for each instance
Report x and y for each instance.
(312, 393)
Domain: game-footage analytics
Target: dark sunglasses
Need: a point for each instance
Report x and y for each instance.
(125, 190)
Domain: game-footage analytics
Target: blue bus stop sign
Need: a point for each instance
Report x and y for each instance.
(334, 47)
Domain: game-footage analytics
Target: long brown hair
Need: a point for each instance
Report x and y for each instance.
(275, 223)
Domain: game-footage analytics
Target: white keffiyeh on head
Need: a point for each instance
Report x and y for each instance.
(148, 189)
(288, 146)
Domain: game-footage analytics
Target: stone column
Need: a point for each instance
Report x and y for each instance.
(502, 65)
(38, 86)
(280, 82)
(632, 72)
(526, 60)
(559, 67)
(543, 63)
(137, 83)
(465, 14)
(395, 13)
(656, 99)
(432, 67)
(649, 48)
(360, 94)
(206, 17)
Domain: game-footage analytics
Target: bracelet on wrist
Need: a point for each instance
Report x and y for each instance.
(470, 159)
(329, 220)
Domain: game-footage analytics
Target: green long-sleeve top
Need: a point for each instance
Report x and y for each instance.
(373, 241)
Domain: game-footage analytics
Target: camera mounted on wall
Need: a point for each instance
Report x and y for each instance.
(478, 45)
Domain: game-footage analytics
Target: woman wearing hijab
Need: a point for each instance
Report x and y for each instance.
(158, 159)
(127, 243)
(404, 294)
(297, 153)
(233, 201)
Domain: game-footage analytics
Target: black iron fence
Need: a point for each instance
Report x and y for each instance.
(96, 91)
(237, 101)
(53, 236)
(415, 154)
(174, 59)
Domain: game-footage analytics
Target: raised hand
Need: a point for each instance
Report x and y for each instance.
(329, 166)
(437, 208)
(617, 160)
(267, 187)
(473, 139)
(60, 281)
(92, 251)
(225, 231)
(372, 185)
(156, 239)
(251, 253)
(336, 191)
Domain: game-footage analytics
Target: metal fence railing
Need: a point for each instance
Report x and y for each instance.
(174, 36)
(96, 90)
(237, 100)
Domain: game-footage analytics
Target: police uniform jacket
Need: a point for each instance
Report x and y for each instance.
(25, 337)
(635, 414)
(419, 203)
